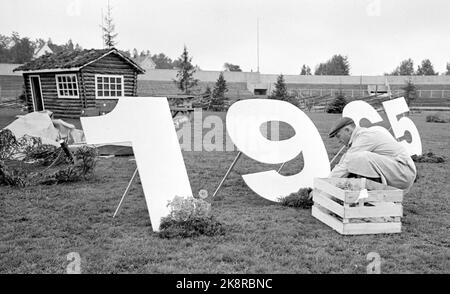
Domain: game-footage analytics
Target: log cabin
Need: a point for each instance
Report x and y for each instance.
(79, 83)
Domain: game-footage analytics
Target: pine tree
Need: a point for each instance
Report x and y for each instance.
(109, 34)
(135, 53)
(218, 93)
(338, 65)
(185, 77)
(338, 104)
(410, 92)
(426, 69)
(406, 68)
(280, 92)
(207, 90)
(306, 71)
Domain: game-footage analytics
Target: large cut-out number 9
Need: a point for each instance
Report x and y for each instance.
(244, 120)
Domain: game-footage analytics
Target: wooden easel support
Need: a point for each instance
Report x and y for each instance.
(126, 191)
(279, 170)
(228, 172)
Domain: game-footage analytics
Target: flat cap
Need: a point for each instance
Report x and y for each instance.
(345, 121)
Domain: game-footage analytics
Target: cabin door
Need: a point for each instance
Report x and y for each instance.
(36, 93)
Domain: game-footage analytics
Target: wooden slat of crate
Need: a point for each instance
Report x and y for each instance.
(358, 183)
(354, 228)
(380, 209)
(371, 228)
(328, 188)
(325, 201)
(327, 219)
(376, 196)
(382, 194)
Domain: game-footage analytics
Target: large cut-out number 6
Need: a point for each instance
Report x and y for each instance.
(358, 110)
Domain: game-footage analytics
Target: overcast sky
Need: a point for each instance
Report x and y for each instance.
(376, 35)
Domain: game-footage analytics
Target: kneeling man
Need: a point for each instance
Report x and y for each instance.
(374, 154)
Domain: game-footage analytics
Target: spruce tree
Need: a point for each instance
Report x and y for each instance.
(306, 71)
(207, 90)
(109, 35)
(185, 77)
(410, 92)
(280, 92)
(218, 94)
(338, 104)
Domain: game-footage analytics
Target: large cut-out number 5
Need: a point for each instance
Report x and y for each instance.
(398, 106)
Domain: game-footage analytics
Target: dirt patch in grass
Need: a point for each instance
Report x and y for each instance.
(428, 157)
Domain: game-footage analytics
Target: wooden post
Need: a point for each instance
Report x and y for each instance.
(126, 191)
(228, 172)
(66, 150)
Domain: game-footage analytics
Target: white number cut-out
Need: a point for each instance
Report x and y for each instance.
(244, 120)
(358, 110)
(394, 108)
(147, 123)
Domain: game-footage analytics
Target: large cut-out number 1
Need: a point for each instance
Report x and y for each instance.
(146, 123)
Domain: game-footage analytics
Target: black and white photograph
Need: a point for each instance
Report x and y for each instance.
(253, 138)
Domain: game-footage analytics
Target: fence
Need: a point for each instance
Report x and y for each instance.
(354, 93)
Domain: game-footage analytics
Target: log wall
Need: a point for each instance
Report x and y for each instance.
(72, 107)
(61, 107)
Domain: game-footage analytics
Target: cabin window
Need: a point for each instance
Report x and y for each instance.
(67, 86)
(108, 86)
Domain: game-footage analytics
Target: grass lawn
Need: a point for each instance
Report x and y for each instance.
(40, 225)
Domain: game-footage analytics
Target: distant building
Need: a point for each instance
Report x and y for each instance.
(11, 83)
(146, 62)
(72, 83)
(44, 49)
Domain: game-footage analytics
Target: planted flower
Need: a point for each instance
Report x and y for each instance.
(183, 208)
(189, 217)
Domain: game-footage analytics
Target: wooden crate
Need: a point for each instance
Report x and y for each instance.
(340, 209)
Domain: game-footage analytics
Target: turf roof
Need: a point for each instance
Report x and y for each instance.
(70, 59)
